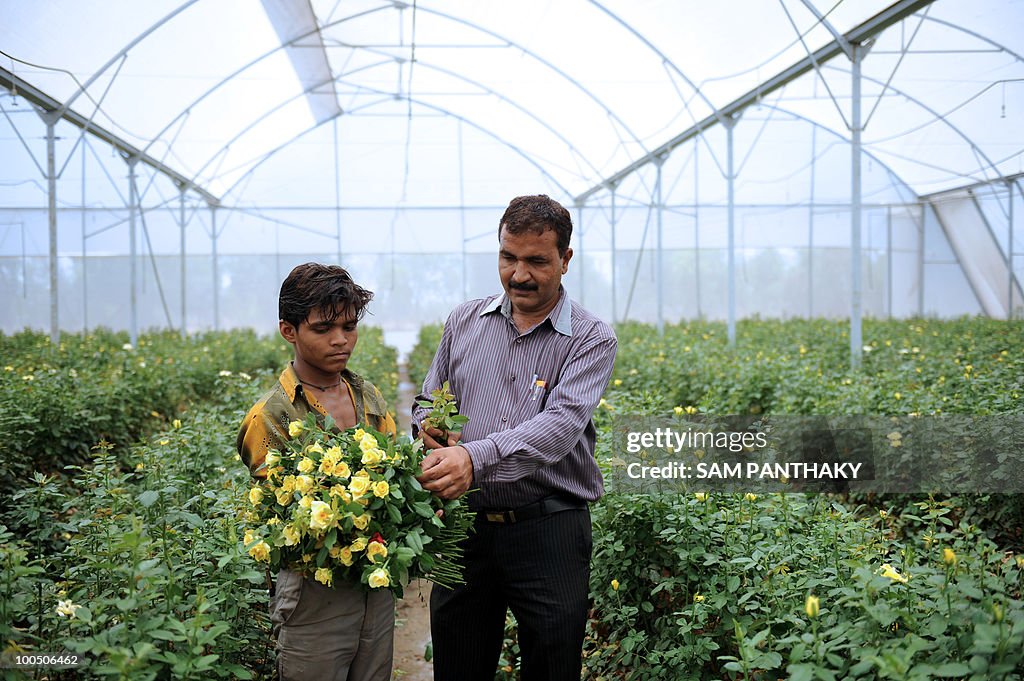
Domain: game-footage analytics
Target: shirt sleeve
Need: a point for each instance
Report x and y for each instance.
(437, 374)
(258, 434)
(545, 439)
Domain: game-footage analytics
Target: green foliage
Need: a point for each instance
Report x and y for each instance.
(444, 412)
(133, 557)
(422, 354)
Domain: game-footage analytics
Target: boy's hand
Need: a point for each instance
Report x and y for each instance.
(447, 472)
(430, 436)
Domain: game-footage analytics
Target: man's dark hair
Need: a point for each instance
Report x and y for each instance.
(536, 214)
(312, 286)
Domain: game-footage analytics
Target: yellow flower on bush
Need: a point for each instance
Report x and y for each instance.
(341, 470)
(367, 442)
(256, 495)
(361, 521)
(381, 489)
(372, 457)
(698, 597)
(615, 585)
(273, 458)
(339, 492)
(358, 544)
(176, 423)
(379, 578)
(321, 516)
(306, 502)
(303, 483)
(701, 496)
(249, 537)
(315, 448)
(295, 428)
(949, 556)
(324, 575)
(345, 556)
(291, 535)
(812, 606)
(260, 551)
(374, 549)
(306, 465)
(750, 496)
(889, 571)
(284, 497)
(66, 608)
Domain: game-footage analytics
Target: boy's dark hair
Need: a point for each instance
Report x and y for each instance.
(536, 214)
(312, 286)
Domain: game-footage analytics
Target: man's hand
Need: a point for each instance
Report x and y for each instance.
(430, 437)
(447, 472)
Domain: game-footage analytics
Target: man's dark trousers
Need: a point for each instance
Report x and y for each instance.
(540, 568)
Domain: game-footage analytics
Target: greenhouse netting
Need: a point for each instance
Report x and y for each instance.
(200, 149)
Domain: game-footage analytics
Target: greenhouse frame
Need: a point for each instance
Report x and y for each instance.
(814, 159)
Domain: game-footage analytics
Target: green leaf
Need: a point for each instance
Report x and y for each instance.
(952, 669)
(148, 498)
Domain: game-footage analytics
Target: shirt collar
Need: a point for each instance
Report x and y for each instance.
(560, 315)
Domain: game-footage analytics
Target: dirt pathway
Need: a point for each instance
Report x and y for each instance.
(412, 630)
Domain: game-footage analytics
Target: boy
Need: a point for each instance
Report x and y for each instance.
(338, 633)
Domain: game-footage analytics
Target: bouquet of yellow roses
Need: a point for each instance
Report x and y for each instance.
(346, 505)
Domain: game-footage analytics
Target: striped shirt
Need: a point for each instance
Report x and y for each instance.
(530, 398)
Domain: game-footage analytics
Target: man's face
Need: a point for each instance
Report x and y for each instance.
(321, 344)
(531, 269)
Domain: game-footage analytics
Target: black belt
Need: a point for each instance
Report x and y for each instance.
(535, 510)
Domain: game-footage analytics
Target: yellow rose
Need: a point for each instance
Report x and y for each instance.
(306, 465)
(379, 578)
(334, 452)
(701, 496)
(949, 556)
(339, 492)
(341, 470)
(288, 484)
(176, 423)
(615, 585)
(361, 521)
(249, 537)
(315, 447)
(750, 496)
(255, 496)
(260, 552)
(345, 556)
(303, 483)
(811, 606)
(321, 516)
(295, 428)
(358, 485)
(359, 434)
(306, 502)
(273, 458)
(327, 466)
(381, 489)
(358, 544)
(367, 442)
(291, 535)
(284, 497)
(698, 598)
(67, 608)
(374, 549)
(372, 457)
(893, 574)
(324, 575)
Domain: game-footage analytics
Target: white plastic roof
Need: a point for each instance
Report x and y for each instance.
(568, 91)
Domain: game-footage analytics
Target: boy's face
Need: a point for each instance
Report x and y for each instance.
(323, 345)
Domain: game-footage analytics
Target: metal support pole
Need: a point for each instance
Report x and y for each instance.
(85, 273)
(216, 273)
(696, 227)
(462, 215)
(184, 279)
(133, 329)
(659, 161)
(856, 340)
(810, 225)
(615, 309)
(888, 257)
(731, 178)
(50, 118)
(1009, 255)
(582, 260)
(337, 187)
(920, 261)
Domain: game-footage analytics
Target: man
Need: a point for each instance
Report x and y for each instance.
(528, 368)
(338, 633)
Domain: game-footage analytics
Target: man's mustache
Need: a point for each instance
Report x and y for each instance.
(522, 287)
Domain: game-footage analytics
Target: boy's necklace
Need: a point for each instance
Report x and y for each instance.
(319, 387)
